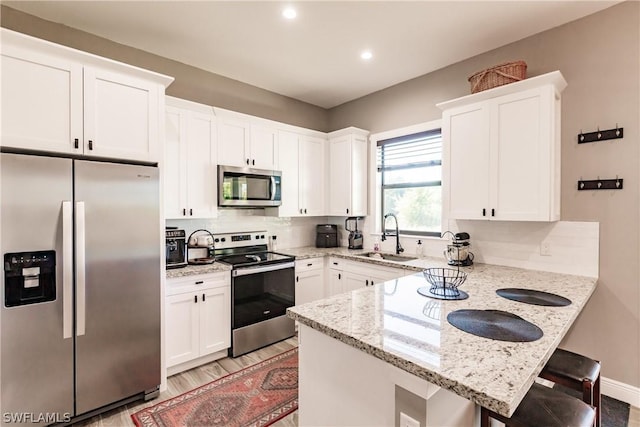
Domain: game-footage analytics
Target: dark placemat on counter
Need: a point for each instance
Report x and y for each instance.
(495, 324)
(531, 296)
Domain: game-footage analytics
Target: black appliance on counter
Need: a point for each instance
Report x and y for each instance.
(262, 288)
(175, 248)
(326, 236)
(355, 235)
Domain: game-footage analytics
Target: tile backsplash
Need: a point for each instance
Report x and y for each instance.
(573, 246)
(290, 232)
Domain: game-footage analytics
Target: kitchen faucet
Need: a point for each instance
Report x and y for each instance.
(399, 248)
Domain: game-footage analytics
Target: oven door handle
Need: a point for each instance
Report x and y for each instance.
(245, 271)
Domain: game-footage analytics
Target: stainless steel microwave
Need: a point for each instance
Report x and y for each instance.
(248, 188)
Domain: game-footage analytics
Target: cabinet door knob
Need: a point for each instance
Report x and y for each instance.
(493, 212)
(199, 282)
(184, 212)
(347, 210)
(195, 298)
(300, 210)
(297, 279)
(339, 276)
(310, 264)
(76, 143)
(191, 212)
(247, 161)
(305, 211)
(484, 212)
(203, 298)
(90, 145)
(253, 162)
(366, 283)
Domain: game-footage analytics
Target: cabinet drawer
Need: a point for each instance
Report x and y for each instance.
(199, 282)
(309, 264)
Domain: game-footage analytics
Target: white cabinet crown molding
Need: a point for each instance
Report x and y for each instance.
(554, 78)
(197, 107)
(10, 37)
(351, 130)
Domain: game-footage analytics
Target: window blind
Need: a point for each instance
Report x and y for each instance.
(410, 151)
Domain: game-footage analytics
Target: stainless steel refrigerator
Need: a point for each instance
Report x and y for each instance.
(80, 319)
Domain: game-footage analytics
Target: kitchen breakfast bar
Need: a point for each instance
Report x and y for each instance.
(369, 355)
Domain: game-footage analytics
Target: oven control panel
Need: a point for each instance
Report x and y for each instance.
(235, 240)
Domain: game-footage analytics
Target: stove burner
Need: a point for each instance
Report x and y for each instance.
(255, 258)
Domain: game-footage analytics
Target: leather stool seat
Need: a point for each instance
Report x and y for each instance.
(544, 406)
(577, 372)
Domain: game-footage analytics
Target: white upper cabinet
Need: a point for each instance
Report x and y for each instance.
(120, 116)
(41, 89)
(189, 165)
(244, 141)
(288, 165)
(502, 152)
(233, 142)
(263, 147)
(311, 200)
(61, 100)
(301, 161)
(348, 172)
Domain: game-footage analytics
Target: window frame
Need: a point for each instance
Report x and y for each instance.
(378, 203)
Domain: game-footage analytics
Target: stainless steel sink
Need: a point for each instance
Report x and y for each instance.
(387, 257)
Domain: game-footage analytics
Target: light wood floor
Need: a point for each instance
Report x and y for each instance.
(188, 380)
(193, 378)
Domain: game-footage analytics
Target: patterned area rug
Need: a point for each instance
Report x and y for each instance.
(255, 396)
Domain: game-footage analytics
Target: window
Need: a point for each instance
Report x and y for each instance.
(410, 181)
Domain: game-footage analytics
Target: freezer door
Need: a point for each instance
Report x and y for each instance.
(37, 342)
(118, 250)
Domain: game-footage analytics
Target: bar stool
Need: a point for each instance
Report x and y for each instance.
(576, 372)
(544, 406)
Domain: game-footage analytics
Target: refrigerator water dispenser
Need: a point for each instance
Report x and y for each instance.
(29, 277)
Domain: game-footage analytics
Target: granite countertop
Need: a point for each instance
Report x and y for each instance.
(394, 323)
(305, 253)
(192, 270)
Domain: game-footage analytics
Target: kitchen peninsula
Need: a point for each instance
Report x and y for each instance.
(369, 354)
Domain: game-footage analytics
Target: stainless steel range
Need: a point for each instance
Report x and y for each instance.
(262, 287)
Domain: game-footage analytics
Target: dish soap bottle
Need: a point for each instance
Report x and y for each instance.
(419, 249)
(376, 246)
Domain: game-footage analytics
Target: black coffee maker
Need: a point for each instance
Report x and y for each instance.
(355, 236)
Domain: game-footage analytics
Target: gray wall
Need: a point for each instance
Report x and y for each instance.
(190, 82)
(599, 57)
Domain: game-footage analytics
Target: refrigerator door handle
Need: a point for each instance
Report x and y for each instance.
(80, 270)
(67, 269)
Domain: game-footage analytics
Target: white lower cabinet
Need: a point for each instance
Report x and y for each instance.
(309, 280)
(347, 275)
(197, 319)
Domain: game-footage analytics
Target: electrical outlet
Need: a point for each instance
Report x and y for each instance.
(407, 421)
(545, 248)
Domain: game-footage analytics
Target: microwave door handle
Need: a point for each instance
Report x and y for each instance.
(273, 187)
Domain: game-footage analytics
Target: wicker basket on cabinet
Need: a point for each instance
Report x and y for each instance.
(498, 75)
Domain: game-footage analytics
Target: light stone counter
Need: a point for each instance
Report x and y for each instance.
(392, 322)
(192, 270)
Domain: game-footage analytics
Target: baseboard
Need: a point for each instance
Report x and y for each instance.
(620, 391)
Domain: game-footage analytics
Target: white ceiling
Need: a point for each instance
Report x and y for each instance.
(314, 58)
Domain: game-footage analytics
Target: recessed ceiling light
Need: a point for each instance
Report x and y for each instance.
(366, 55)
(289, 13)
